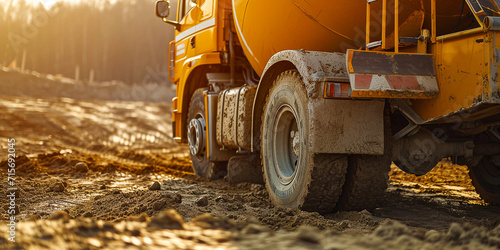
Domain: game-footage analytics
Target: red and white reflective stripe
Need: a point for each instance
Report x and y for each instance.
(417, 84)
(337, 90)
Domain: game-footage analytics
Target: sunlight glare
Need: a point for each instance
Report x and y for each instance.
(46, 3)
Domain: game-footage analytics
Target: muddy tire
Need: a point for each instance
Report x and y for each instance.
(197, 140)
(295, 177)
(366, 182)
(486, 179)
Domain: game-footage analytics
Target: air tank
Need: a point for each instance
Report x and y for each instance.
(266, 27)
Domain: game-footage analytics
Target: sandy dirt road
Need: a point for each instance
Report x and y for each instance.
(84, 169)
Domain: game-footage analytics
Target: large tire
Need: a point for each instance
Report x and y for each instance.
(486, 179)
(295, 177)
(197, 137)
(366, 182)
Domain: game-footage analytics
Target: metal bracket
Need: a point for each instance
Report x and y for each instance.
(413, 118)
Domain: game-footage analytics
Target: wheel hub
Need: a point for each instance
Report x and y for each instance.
(195, 136)
(286, 144)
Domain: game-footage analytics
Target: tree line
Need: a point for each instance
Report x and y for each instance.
(120, 41)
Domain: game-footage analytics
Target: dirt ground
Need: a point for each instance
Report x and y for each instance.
(85, 166)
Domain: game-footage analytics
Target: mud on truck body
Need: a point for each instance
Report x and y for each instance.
(317, 98)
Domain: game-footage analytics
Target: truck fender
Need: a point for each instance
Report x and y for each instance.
(194, 76)
(342, 126)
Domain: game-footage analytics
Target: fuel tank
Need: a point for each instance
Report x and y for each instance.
(266, 27)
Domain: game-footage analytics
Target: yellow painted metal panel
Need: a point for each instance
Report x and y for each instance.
(463, 75)
(206, 41)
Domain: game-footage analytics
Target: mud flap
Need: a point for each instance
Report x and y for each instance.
(346, 126)
(376, 74)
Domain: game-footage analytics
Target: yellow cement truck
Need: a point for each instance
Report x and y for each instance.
(316, 98)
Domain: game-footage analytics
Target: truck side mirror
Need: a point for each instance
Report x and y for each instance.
(162, 9)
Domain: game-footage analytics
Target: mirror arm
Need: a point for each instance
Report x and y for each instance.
(174, 23)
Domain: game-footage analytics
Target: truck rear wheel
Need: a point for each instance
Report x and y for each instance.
(294, 176)
(196, 133)
(486, 179)
(366, 182)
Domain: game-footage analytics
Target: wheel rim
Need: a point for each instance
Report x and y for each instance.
(286, 144)
(196, 137)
